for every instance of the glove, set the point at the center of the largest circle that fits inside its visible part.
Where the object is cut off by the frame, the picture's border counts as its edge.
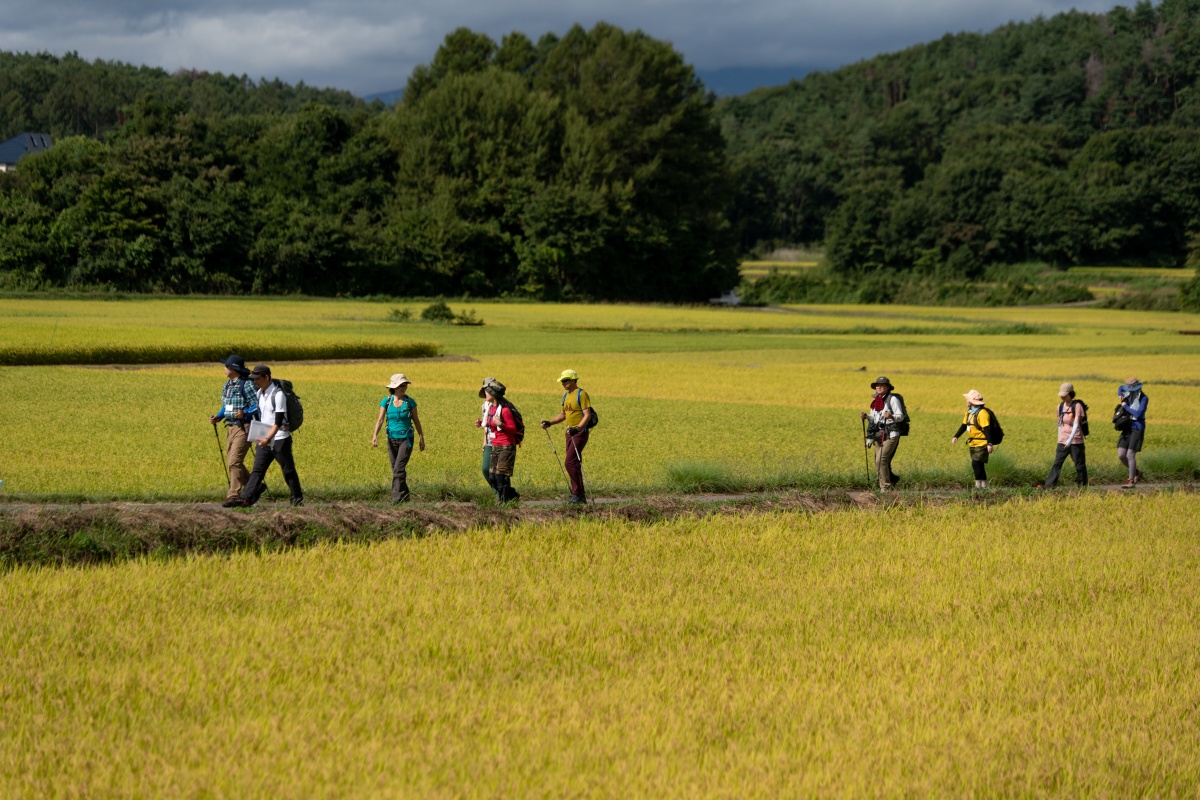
(572, 431)
(545, 424)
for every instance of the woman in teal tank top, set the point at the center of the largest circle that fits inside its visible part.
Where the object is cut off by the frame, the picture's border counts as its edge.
(400, 412)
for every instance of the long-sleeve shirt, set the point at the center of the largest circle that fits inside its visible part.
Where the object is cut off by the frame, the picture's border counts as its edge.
(238, 394)
(979, 423)
(503, 426)
(1137, 409)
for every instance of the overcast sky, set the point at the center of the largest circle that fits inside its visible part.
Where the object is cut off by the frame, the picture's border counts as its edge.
(369, 46)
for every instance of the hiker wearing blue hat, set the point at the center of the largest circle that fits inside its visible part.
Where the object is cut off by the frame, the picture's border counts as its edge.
(1130, 419)
(239, 402)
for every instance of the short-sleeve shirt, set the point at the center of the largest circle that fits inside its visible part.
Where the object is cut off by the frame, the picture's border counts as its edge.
(1066, 423)
(399, 418)
(272, 401)
(573, 405)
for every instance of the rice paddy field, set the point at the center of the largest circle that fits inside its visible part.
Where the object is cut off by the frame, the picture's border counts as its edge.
(1007, 645)
(689, 397)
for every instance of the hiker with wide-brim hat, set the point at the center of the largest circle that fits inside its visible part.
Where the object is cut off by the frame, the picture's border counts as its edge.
(1133, 431)
(982, 438)
(485, 410)
(239, 402)
(399, 410)
(507, 430)
(887, 419)
(1072, 419)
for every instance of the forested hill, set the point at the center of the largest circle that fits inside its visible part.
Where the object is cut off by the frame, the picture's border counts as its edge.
(1070, 139)
(586, 166)
(68, 96)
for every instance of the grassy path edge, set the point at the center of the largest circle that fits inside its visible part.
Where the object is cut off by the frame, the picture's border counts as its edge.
(83, 535)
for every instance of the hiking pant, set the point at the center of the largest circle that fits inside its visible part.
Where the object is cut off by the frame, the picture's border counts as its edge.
(884, 452)
(979, 458)
(487, 463)
(1078, 456)
(279, 450)
(573, 461)
(399, 451)
(236, 447)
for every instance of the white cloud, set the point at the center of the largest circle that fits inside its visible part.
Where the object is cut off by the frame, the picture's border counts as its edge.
(372, 45)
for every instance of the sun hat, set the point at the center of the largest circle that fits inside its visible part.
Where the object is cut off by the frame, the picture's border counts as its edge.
(1066, 389)
(1132, 385)
(568, 375)
(882, 381)
(260, 371)
(495, 389)
(237, 364)
(486, 381)
(974, 398)
(398, 379)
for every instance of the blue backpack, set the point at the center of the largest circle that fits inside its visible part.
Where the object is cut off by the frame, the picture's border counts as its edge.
(593, 420)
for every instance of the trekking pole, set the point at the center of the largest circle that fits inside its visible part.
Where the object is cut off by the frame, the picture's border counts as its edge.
(221, 455)
(579, 461)
(556, 458)
(866, 455)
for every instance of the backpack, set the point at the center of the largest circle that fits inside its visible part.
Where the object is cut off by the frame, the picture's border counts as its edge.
(593, 420)
(1083, 425)
(1122, 419)
(295, 410)
(901, 427)
(997, 431)
(518, 419)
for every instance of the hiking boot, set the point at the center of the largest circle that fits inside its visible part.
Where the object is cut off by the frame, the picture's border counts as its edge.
(895, 480)
(297, 502)
(1137, 476)
(234, 502)
(1129, 483)
(576, 500)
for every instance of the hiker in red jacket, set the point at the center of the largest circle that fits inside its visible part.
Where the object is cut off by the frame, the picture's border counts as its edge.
(506, 427)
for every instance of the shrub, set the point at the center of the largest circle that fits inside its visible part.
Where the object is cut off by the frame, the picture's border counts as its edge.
(437, 312)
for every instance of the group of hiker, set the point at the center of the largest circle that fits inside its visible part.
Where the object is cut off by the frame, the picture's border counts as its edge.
(261, 410)
(889, 420)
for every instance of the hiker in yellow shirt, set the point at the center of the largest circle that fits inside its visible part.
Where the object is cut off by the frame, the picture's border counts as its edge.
(577, 413)
(982, 437)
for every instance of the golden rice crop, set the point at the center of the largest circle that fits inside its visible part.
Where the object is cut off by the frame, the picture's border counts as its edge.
(768, 408)
(1033, 648)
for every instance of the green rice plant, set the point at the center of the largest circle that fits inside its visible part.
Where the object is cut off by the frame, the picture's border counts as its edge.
(1171, 464)
(179, 354)
(701, 476)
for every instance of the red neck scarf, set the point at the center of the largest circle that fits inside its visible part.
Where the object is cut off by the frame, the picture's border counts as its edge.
(877, 403)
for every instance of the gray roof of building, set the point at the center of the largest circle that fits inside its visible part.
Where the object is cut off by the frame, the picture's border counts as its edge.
(22, 144)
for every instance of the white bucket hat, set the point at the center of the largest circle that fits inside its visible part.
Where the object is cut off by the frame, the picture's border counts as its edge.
(398, 379)
(974, 398)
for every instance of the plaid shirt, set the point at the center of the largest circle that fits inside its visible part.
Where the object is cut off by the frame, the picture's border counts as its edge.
(233, 400)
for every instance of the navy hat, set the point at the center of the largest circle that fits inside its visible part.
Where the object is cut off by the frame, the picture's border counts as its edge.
(262, 370)
(238, 364)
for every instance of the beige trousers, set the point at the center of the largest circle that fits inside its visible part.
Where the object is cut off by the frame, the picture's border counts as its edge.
(236, 446)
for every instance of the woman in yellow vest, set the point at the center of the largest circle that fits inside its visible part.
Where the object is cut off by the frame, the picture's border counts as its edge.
(981, 439)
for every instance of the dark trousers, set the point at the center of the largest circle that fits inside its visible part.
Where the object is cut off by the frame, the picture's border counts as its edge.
(1078, 456)
(280, 450)
(399, 451)
(573, 460)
